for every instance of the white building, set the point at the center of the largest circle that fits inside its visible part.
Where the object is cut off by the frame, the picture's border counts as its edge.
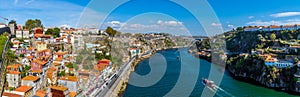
(32, 81)
(19, 34)
(13, 78)
(26, 34)
(278, 64)
(71, 82)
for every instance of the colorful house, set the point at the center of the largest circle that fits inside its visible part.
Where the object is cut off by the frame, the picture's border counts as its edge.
(71, 82)
(13, 78)
(32, 81)
(102, 64)
(59, 91)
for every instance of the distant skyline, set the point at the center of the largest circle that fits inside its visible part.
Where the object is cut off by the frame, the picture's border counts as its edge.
(231, 13)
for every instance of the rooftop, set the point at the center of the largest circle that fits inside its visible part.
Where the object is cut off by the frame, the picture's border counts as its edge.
(14, 66)
(6, 94)
(73, 94)
(69, 78)
(24, 88)
(60, 88)
(13, 72)
(40, 93)
(31, 78)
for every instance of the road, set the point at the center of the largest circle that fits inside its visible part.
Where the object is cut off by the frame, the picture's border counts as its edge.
(115, 80)
(109, 89)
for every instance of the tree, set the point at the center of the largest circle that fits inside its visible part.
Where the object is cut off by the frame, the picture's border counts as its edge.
(239, 29)
(10, 56)
(56, 32)
(70, 65)
(13, 22)
(49, 32)
(273, 36)
(30, 24)
(110, 31)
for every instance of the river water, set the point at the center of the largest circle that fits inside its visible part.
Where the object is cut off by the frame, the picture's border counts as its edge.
(229, 86)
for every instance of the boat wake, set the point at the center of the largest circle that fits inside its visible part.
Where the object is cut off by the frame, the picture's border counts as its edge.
(216, 89)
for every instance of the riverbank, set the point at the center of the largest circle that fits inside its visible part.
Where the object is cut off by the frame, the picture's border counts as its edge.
(246, 74)
(132, 68)
(143, 57)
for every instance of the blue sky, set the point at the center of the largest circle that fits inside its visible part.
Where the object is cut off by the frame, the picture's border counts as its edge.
(152, 15)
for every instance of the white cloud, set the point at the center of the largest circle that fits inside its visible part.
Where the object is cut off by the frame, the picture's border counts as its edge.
(231, 26)
(174, 27)
(263, 23)
(251, 17)
(285, 14)
(216, 24)
(274, 22)
(169, 23)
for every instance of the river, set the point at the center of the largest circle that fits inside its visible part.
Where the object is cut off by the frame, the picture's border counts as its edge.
(168, 81)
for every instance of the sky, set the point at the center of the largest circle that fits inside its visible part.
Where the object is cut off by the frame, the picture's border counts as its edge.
(140, 16)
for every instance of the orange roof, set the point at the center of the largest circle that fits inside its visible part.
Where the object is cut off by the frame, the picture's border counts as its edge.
(274, 26)
(29, 57)
(41, 35)
(105, 60)
(45, 50)
(61, 88)
(24, 88)
(39, 62)
(52, 68)
(10, 94)
(58, 59)
(13, 72)
(56, 63)
(40, 93)
(30, 48)
(61, 53)
(36, 71)
(31, 78)
(39, 42)
(73, 94)
(14, 66)
(69, 78)
(271, 60)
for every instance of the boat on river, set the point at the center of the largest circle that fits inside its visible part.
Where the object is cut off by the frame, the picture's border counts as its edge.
(209, 83)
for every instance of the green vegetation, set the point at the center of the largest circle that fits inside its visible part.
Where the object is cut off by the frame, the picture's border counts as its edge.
(23, 73)
(61, 74)
(2, 42)
(10, 56)
(110, 31)
(54, 32)
(30, 24)
(71, 65)
(11, 88)
(273, 36)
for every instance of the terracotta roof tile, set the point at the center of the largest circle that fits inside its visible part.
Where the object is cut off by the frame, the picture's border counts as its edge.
(13, 72)
(69, 78)
(61, 88)
(31, 78)
(24, 88)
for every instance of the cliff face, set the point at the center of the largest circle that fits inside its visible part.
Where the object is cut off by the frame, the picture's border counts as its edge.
(243, 60)
(252, 67)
